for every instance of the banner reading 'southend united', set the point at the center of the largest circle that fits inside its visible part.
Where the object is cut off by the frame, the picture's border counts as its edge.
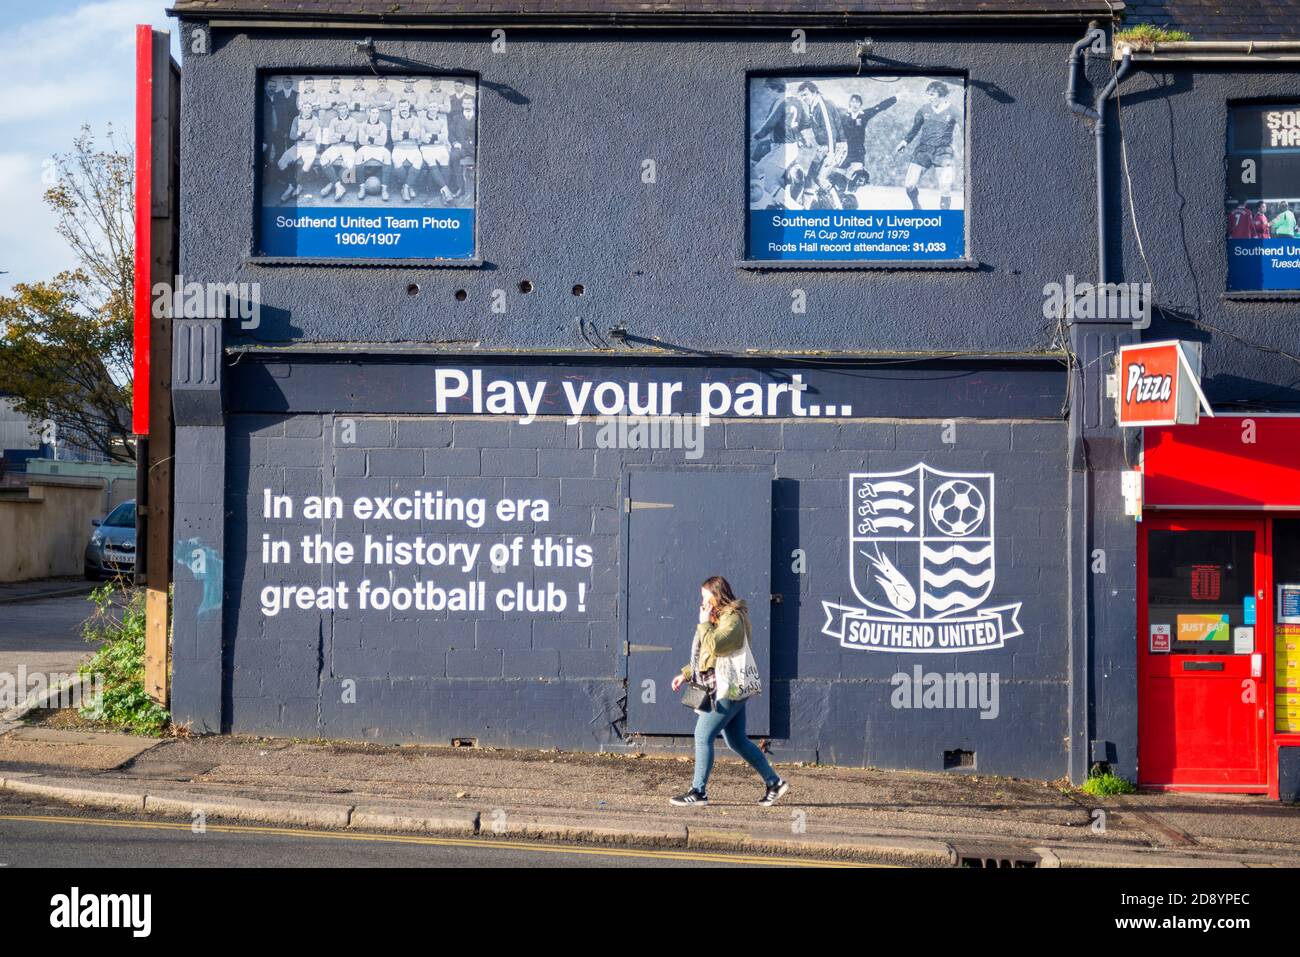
(922, 562)
(857, 168)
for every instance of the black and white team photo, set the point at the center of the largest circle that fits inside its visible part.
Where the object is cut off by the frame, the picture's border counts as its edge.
(857, 142)
(351, 141)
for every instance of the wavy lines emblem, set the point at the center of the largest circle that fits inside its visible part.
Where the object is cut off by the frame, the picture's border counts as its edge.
(922, 563)
(956, 578)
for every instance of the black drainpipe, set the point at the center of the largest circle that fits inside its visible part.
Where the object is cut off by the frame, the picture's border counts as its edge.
(1096, 39)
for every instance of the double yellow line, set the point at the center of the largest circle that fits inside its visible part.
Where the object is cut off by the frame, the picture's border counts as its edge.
(476, 842)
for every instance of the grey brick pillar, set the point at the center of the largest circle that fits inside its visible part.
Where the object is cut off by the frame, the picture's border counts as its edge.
(199, 524)
(1103, 564)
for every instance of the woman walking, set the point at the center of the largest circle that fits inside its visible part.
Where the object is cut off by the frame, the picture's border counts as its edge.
(723, 631)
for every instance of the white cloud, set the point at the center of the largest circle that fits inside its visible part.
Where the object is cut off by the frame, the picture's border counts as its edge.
(83, 95)
(58, 71)
(30, 249)
(72, 64)
(103, 31)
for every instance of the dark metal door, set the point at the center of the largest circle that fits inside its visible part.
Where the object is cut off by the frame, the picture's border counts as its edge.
(681, 528)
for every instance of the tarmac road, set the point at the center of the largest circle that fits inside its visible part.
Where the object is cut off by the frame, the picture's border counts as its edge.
(38, 834)
(44, 634)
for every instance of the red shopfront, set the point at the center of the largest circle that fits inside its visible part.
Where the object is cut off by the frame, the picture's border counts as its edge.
(1219, 607)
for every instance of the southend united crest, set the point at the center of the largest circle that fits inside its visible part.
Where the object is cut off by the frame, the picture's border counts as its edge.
(922, 564)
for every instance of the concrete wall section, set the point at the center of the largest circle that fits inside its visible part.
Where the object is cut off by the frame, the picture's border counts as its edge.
(555, 677)
(1175, 128)
(567, 121)
(45, 527)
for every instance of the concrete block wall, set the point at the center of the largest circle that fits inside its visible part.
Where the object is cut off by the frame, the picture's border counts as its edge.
(556, 679)
(45, 526)
(560, 207)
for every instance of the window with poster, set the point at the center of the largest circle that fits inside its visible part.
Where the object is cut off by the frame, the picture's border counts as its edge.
(1200, 589)
(366, 167)
(1286, 631)
(1263, 200)
(860, 169)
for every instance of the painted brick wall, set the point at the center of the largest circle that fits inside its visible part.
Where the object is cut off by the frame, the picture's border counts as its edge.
(555, 679)
(566, 120)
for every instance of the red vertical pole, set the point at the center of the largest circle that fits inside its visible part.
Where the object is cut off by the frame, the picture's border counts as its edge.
(156, 119)
(144, 80)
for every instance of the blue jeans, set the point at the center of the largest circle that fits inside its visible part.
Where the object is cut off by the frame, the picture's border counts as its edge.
(729, 718)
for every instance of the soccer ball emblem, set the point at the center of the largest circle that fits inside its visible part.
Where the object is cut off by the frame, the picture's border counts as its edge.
(957, 508)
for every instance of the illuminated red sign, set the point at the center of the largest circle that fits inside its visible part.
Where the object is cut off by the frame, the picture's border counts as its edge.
(1238, 461)
(1157, 385)
(143, 223)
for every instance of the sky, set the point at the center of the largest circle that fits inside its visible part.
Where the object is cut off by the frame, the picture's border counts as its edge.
(62, 63)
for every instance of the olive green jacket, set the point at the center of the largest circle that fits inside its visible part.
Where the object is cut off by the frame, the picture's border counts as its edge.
(725, 638)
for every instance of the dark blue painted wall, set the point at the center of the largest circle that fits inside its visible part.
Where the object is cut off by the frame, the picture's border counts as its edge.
(565, 124)
(1173, 126)
(1176, 125)
(555, 680)
(566, 121)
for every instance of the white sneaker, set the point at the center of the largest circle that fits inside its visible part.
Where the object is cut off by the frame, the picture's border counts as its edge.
(774, 792)
(691, 798)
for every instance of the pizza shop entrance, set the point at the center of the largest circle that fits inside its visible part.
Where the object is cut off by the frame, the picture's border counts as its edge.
(1201, 709)
(1219, 607)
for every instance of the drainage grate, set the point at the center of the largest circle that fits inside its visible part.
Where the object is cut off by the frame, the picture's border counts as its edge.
(985, 856)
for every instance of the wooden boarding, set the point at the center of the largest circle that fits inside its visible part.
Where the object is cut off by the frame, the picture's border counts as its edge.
(157, 154)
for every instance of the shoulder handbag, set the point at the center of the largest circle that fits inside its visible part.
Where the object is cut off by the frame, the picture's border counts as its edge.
(696, 696)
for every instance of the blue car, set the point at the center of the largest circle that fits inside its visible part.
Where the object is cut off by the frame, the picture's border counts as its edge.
(111, 549)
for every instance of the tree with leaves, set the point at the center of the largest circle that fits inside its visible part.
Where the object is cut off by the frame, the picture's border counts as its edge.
(66, 343)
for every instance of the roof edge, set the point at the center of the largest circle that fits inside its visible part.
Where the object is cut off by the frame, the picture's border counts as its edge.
(1048, 14)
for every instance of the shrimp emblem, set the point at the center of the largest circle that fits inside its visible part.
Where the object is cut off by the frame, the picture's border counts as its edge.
(897, 588)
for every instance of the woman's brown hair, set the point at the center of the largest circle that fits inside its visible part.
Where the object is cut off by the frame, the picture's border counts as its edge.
(720, 589)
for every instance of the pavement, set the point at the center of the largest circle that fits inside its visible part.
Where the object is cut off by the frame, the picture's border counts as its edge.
(37, 833)
(40, 630)
(621, 800)
(603, 800)
(44, 588)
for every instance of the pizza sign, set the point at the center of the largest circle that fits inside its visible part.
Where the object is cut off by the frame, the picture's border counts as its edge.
(1158, 384)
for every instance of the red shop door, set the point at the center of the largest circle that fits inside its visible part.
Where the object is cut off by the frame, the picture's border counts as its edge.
(1202, 630)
